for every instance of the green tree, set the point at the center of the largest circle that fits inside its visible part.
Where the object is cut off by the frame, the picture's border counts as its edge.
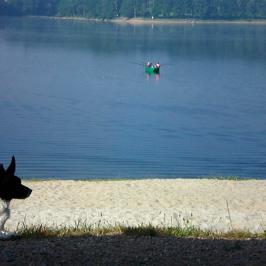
(3, 7)
(261, 9)
(66, 8)
(107, 8)
(199, 9)
(251, 8)
(128, 8)
(28, 7)
(158, 9)
(15, 7)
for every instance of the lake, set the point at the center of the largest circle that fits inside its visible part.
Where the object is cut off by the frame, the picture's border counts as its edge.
(76, 103)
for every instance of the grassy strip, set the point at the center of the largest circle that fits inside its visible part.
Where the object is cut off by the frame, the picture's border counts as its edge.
(84, 230)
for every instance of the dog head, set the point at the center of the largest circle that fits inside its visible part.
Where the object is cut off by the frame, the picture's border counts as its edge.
(10, 185)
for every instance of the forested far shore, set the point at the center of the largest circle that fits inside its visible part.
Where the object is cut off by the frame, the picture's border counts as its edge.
(109, 9)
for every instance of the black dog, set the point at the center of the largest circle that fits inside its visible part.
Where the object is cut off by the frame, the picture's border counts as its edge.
(10, 188)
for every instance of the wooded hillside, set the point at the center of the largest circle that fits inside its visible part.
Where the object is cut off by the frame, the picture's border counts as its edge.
(188, 9)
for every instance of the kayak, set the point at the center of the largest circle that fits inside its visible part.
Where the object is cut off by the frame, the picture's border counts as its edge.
(152, 70)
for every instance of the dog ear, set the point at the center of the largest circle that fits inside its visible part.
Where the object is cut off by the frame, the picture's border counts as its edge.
(12, 167)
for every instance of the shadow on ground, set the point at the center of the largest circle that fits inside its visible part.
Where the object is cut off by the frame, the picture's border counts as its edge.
(131, 250)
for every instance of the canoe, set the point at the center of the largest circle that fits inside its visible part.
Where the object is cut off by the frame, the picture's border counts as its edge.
(152, 70)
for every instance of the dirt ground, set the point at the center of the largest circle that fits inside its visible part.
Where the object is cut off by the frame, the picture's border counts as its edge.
(131, 250)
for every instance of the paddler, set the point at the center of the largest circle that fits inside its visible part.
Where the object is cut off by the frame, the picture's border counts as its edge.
(157, 65)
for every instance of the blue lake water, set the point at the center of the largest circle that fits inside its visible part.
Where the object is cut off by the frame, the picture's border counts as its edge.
(75, 101)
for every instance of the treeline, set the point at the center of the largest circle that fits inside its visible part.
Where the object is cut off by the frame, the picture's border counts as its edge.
(108, 9)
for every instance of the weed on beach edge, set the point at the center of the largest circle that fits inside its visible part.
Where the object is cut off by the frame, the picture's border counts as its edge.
(39, 232)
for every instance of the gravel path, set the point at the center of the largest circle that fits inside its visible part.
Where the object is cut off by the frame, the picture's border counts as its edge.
(128, 250)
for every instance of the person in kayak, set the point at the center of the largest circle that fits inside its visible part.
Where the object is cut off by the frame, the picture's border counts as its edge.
(157, 65)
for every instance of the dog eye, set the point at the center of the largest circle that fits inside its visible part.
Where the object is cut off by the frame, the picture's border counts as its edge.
(18, 180)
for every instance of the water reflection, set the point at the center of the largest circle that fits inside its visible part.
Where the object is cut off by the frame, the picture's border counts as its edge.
(155, 76)
(212, 42)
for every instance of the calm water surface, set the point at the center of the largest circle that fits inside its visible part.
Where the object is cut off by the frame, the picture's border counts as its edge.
(75, 101)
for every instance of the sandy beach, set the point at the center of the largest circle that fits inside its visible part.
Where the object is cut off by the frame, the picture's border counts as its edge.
(210, 204)
(143, 21)
(156, 21)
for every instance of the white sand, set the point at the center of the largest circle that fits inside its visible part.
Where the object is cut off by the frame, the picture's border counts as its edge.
(202, 203)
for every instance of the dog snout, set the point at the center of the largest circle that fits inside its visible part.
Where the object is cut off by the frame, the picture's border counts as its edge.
(24, 192)
(29, 192)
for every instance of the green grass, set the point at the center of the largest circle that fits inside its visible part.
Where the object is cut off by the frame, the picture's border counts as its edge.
(84, 230)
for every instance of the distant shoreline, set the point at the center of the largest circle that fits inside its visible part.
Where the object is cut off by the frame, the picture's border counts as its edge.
(149, 21)
(185, 21)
